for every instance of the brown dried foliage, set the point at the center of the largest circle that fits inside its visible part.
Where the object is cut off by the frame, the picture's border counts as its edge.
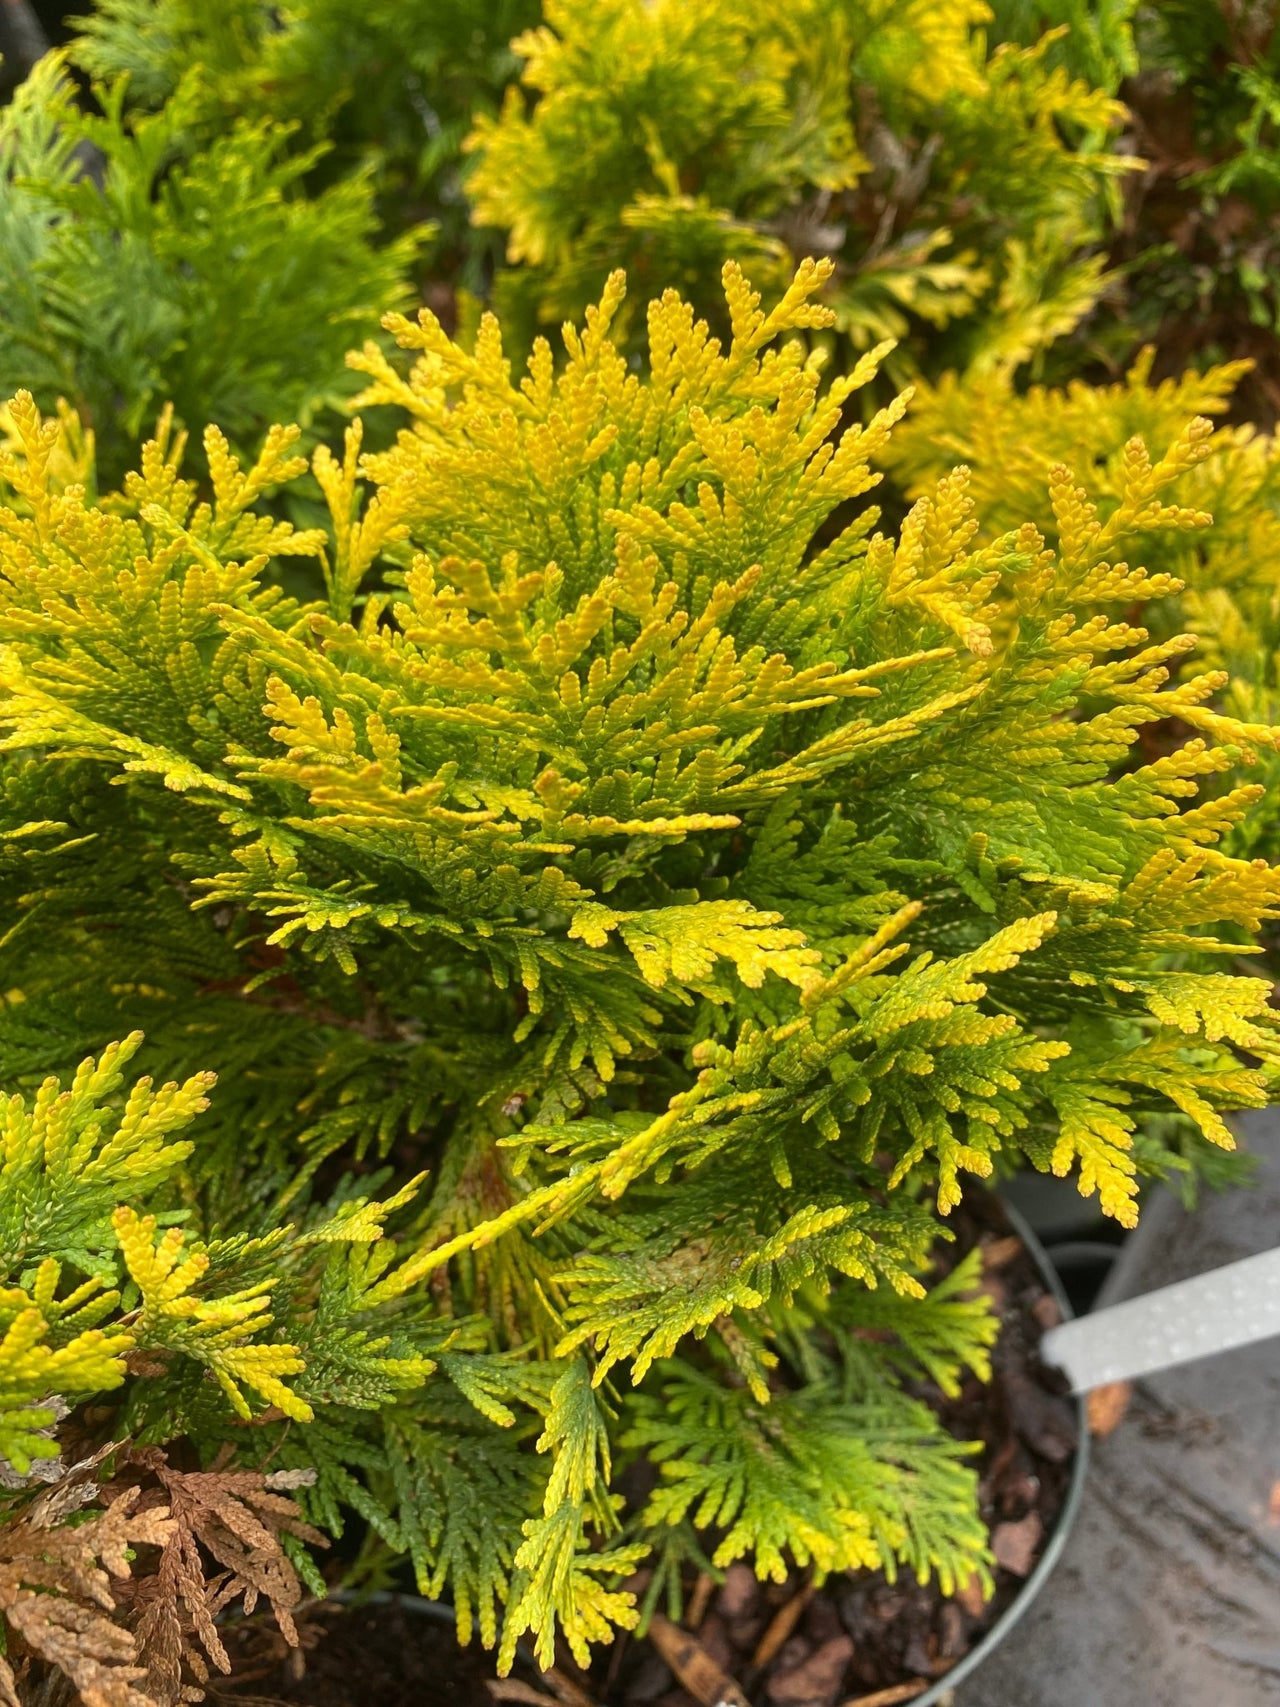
(142, 1634)
(238, 1520)
(56, 1593)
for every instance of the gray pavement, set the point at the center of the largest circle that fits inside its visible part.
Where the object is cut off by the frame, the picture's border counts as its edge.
(1168, 1594)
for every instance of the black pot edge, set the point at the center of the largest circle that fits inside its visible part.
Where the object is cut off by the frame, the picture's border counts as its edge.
(443, 1613)
(439, 1611)
(1066, 1517)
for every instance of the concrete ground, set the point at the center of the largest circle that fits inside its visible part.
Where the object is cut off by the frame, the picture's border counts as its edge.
(1168, 1594)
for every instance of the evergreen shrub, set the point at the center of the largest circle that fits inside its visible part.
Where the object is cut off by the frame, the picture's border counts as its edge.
(962, 187)
(387, 86)
(1225, 583)
(1193, 252)
(153, 258)
(1198, 245)
(622, 897)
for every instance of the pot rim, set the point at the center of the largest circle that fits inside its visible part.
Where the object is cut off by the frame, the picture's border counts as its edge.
(1030, 1590)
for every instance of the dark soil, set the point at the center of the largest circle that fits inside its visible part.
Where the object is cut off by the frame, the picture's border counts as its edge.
(858, 1642)
(369, 1656)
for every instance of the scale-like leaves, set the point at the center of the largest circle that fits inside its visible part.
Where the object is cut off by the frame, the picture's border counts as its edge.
(623, 897)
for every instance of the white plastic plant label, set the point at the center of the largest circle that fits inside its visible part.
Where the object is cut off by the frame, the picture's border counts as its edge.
(1227, 1307)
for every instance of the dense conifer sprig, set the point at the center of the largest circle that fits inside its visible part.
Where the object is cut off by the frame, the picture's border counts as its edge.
(1228, 579)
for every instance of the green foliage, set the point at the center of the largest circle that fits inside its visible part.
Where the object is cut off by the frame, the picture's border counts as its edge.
(1093, 39)
(1197, 246)
(837, 1478)
(602, 819)
(622, 895)
(67, 1159)
(390, 85)
(1222, 582)
(960, 189)
(148, 259)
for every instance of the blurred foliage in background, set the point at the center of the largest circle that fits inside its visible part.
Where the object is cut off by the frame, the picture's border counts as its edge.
(961, 187)
(156, 257)
(389, 86)
(210, 201)
(1034, 188)
(1196, 251)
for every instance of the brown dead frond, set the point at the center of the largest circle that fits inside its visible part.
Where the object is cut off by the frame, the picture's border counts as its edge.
(141, 1631)
(56, 1594)
(235, 1520)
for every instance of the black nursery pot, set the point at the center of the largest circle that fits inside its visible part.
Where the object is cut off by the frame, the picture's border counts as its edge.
(1083, 1267)
(1017, 1608)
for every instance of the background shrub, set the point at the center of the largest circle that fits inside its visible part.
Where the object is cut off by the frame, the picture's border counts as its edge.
(961, 190)
(148, 259)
